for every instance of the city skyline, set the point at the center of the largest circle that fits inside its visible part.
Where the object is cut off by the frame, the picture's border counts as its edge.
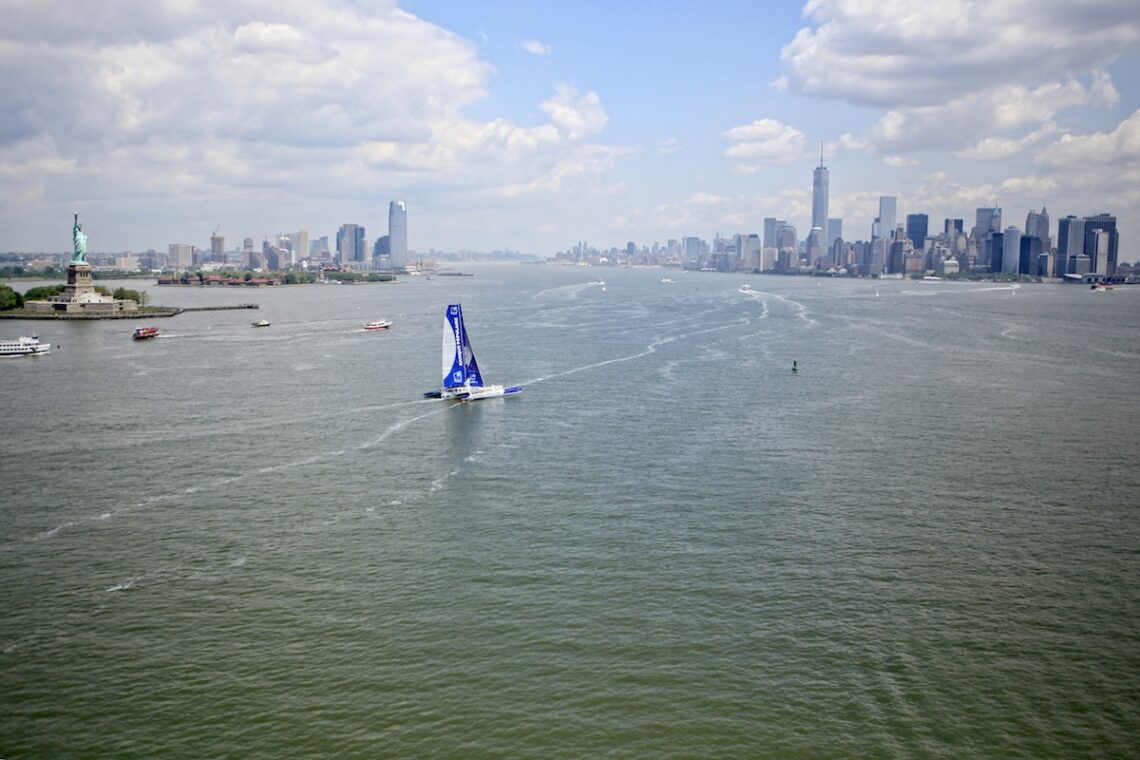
(530, 128)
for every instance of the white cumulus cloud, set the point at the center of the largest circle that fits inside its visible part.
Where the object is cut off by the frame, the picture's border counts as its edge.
(535, 47)
(764, 141)
(897, 53)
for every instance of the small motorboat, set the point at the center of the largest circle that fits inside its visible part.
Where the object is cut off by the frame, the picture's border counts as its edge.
(142, 333)
(379, 324)
(261, 323)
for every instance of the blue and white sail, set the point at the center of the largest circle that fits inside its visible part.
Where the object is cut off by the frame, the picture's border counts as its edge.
(461, 376)
(459, 367)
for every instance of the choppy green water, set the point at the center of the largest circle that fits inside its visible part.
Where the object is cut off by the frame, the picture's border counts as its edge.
(262, 543)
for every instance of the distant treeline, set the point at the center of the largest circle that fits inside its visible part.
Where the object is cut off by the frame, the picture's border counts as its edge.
(55, 273)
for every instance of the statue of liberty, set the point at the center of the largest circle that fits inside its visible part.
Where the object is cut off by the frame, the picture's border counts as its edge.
(79, 241)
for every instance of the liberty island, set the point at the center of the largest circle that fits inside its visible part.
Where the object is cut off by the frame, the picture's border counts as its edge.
(79, 297)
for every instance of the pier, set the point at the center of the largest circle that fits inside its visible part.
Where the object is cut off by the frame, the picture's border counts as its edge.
(220, 308)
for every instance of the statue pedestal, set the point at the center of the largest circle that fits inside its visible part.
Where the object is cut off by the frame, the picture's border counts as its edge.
(79, 287)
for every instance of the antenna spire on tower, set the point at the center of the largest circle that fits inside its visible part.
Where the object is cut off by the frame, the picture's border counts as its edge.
(821, 153)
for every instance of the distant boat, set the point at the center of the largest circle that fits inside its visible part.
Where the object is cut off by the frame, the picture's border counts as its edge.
(598, 281)
(666, 280)
(142, 333)
(23, 346)
(261, 323)
(462, 380)
(380, 324)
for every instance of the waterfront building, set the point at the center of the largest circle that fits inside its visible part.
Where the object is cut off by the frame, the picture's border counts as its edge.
(398, 234)
(751, 253)
(769, 255)
(217, 248)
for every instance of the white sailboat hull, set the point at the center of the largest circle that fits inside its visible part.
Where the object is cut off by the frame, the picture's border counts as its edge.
(475, 393)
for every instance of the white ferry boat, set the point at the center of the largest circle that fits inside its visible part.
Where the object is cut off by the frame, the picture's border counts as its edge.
(23, 346)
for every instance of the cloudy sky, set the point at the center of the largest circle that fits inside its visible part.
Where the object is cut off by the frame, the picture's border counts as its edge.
(534, 125)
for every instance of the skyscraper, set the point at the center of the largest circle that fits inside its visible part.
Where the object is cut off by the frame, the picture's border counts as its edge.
(917, 227)
(350, 246)
(888, 215)
(1011, 250)
(770, 225)
(819, 193)
(834, 231)
(181, 256)
(1037, 224)
(1106, 222)
(398, 234)
(988, 220)
(1070, 244)
(301, 251)
(217, 247)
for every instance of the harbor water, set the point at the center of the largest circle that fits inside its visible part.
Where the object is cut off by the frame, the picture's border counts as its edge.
(263, 543)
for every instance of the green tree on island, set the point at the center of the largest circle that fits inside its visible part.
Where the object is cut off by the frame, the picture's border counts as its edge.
(141, 297)
(43, 293)
(10, 299)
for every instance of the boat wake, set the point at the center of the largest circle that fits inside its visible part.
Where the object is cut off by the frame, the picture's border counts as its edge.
(802, 311)
(124, 585)
(649, 349)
